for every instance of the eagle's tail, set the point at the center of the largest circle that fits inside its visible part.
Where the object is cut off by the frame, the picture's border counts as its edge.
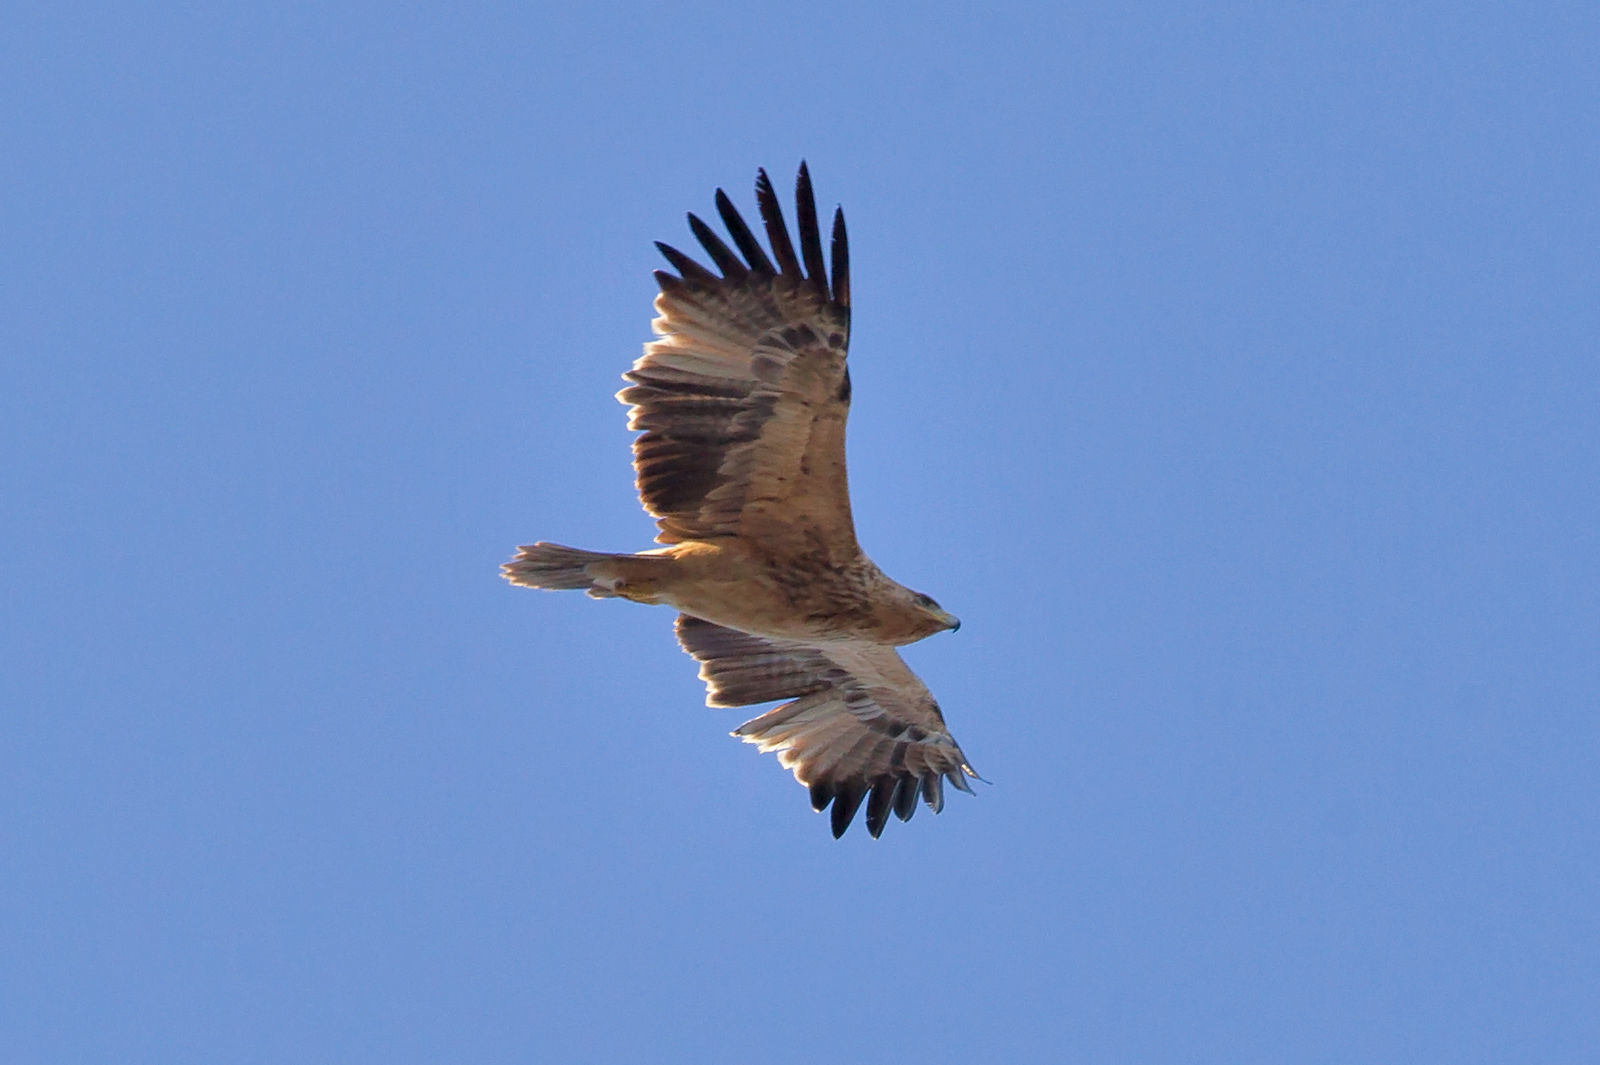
(557, 567)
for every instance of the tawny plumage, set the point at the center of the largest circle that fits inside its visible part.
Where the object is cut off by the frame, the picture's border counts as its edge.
(741, 405)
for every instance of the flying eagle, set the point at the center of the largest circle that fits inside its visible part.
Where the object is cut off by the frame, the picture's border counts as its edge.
(742, 404)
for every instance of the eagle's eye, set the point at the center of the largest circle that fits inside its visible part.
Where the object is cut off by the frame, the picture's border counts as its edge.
(925, 602)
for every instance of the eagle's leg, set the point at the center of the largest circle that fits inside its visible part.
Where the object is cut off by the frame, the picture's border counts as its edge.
(639, 578)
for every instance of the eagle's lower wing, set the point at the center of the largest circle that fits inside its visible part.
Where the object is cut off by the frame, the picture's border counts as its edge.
(860, 725)
(743, 399)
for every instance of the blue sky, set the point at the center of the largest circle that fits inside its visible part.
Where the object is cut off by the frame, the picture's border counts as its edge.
(1231, 371)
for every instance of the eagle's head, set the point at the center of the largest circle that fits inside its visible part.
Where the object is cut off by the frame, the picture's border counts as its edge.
(932, 617)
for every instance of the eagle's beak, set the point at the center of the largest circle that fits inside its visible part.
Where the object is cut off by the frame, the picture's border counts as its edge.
(951, 622)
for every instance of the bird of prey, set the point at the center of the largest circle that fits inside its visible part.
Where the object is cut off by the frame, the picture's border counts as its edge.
(741, 403)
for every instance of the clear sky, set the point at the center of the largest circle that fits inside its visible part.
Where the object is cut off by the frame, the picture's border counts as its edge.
(1232, 371)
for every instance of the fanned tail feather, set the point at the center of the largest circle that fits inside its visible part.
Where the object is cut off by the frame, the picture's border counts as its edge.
(557, 567)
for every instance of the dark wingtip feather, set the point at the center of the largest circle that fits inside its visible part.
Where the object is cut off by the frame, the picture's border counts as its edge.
(846, 802)
(686, 267)
(905, 798)
(805, 205)
(821, 795)
(730, 264)
(777, 231)
(754, 254)
(878, 805)
(841, 260)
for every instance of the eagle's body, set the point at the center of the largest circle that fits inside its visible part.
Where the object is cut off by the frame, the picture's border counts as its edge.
(742, 403)
(733, 583)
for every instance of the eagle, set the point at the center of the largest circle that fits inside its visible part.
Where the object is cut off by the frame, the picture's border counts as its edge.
(740, 406)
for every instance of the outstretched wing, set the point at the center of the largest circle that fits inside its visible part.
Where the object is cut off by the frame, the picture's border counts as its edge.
(861, 726)
(743, 399)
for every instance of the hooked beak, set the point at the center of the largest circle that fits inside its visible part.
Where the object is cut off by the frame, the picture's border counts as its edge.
(951, 622)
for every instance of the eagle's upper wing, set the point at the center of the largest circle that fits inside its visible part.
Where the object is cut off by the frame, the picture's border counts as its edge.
(743, 399)
(860, 726)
